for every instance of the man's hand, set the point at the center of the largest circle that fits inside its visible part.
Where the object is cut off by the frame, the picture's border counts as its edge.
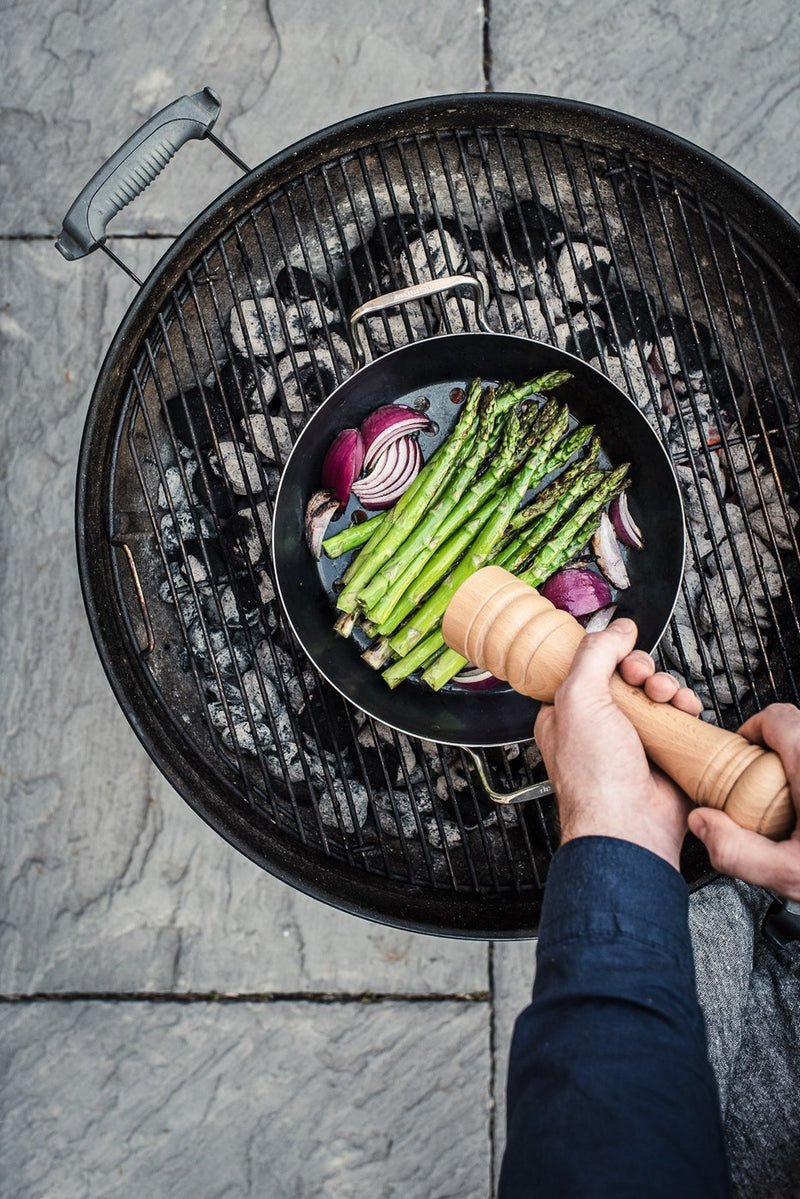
(604, 783)
(747, 855)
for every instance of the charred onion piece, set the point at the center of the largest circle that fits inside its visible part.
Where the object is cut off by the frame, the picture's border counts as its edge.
(343, 463)
(577, 590)
(386, 425)
(391, 474)
(321, 509)
(625, 526)
(608, 554)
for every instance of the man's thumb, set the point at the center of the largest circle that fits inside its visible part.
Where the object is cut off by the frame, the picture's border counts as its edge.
(736, 851)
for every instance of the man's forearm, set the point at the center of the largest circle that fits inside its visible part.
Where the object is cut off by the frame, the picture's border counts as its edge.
(610, 1090)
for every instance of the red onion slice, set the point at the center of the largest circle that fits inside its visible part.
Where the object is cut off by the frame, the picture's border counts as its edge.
(599, 620)
(392, 473)
(625, 526)
(608, 554)
(343, 463)
(577, 590)
(472, 678)
(387, 424)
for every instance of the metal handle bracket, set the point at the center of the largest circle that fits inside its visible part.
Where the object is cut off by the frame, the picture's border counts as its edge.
(407, 295)
(523, 795)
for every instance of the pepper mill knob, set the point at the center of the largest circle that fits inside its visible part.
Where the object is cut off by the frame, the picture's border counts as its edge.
(503, 625)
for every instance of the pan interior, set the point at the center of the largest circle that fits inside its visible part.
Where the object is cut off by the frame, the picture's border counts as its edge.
(431, 369)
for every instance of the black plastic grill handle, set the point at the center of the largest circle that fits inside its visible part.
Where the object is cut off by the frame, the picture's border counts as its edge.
(132, 168)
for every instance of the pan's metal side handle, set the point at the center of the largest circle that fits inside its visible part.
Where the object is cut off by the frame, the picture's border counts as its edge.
(144, 650)
(523, 795)
(133, 167)
(407, 295)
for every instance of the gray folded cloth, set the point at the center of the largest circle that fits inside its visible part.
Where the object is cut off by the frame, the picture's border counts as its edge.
(750, 995)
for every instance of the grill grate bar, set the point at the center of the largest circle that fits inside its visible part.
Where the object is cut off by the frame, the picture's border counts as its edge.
(251, 497)
(726, 443)
(615, 177)
(329, 739)
(746, 583)
(189, 573)
(222, 541)
(703, 451)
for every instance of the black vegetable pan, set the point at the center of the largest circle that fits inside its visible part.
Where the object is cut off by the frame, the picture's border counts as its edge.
(430, 369)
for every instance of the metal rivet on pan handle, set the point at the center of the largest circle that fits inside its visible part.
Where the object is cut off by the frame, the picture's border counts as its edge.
(524, 795)
(133, 167)
(406, 295)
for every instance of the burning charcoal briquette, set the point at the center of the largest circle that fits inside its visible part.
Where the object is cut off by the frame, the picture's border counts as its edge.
(306, 381)
(201, 415)
(431, 256)
(235, 613)
(211, 643)
(245, 384)
(401, 815)
(348, 805)
(302, 321)
(442, 834)
(629, 319)
(213, 493)
(269, 435)
(238, 466)
(528, 231)
(185, 527)
(240, 731)
(259, 330)
(693, 337)
(293, 283)
(584, 273)
(524, 319)
(174, 486)
(253, 531)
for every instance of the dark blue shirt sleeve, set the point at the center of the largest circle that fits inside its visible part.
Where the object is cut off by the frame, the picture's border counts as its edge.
(610, 1092)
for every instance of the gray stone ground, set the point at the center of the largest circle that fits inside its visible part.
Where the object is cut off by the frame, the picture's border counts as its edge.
(110, 884)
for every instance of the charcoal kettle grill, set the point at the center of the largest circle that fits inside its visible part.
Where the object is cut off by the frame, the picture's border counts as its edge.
(589, 230)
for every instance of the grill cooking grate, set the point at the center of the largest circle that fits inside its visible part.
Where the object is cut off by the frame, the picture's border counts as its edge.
(591, 248)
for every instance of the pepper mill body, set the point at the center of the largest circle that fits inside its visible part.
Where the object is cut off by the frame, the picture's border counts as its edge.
(506, 627)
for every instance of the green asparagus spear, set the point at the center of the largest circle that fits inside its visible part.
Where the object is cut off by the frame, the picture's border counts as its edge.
(406, 512)
(420, 559)
(421, 536)
(447, 662)
(562, 494)
(563, 451)
(403, 517)
(353, 536)
(572, 537)
(542, 566)
(430, 614)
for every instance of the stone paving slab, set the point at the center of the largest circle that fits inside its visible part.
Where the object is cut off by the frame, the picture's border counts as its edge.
(78, 82)
(111, 882)
(722, 76)
(277, 1100)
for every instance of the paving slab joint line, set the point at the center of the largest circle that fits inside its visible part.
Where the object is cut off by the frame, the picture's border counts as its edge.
(492, 1066)
(488, 86)
(265, 997)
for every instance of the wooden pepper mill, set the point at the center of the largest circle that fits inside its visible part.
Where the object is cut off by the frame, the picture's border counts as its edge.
(506, 627)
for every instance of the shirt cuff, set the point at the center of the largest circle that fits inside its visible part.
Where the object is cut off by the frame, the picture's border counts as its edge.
(602, 887)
